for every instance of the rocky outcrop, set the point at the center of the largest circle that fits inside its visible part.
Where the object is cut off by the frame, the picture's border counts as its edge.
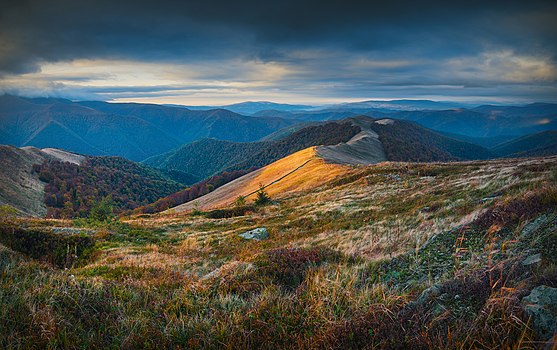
(541, 306)
(257, 234)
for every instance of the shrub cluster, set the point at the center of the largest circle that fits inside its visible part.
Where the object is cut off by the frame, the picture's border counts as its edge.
(61, 250)
(230, 212)
(287, 266)
(525, 207)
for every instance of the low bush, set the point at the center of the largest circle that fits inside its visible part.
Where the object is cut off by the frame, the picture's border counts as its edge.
(230, 212)
(287, 266)
(514, 210)
(61, 250)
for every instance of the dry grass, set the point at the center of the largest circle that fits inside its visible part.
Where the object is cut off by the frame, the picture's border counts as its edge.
(346, 260)
(312, 174)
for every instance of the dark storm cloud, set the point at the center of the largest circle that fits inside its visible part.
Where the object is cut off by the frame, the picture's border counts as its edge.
(33, 32)
(63, 30)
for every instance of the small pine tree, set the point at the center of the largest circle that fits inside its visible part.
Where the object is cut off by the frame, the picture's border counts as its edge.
(262, 196)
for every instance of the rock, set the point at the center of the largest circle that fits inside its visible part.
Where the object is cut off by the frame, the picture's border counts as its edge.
(491, 197)
(532, 259)
(257, 234)
(429, 293)
(541, 306)
(533, 226)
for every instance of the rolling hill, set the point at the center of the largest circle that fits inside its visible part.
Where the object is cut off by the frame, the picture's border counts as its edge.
(536, 145)
(377, 141)
(56, 183)
(20, 186)
(133, 131)
(300, 171)
(207, 157)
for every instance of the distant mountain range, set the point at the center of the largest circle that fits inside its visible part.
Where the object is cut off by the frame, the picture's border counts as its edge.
(479, 122)
(250, 107)
(133, 131)
(140, 131)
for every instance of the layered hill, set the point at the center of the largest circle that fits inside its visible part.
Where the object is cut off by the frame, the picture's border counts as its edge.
(207, 157)
(479, 122)
(536, 145)
(378, 140)
(133, 131)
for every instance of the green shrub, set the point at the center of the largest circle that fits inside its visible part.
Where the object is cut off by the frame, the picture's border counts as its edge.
(103, 210)
(262, 196)
(230, 212)
(62, 250)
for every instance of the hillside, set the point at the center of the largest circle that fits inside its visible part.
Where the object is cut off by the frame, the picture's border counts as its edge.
(477, 122)
(487, 142)
(133, 131)
(72, 190)
(537, 145)
(300, 171)
(405, 141)
(20, 186)
(55, 183)
(207, 157)
(394, 255)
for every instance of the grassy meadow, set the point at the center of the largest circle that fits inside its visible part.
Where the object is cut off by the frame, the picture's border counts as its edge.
(395, 255)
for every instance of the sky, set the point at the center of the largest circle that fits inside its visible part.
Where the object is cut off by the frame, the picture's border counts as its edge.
(304, 51)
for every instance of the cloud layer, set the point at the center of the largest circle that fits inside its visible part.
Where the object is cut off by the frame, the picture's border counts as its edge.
(303, 51)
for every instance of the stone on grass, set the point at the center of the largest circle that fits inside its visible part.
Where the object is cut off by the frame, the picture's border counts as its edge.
(532, 259)
(429, 294)
(257, 234)
(541, 306)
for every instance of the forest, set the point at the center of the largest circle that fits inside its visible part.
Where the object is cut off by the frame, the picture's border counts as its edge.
(72, 190)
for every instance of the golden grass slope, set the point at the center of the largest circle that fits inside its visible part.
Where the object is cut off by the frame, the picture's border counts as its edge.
(298, 172)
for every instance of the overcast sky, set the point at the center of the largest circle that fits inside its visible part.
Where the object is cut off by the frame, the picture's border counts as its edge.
(218, 52)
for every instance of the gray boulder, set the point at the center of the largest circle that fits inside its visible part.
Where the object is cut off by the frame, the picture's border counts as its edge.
(257, 234)
(429, 294)
(532, 260)
(541, 306)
